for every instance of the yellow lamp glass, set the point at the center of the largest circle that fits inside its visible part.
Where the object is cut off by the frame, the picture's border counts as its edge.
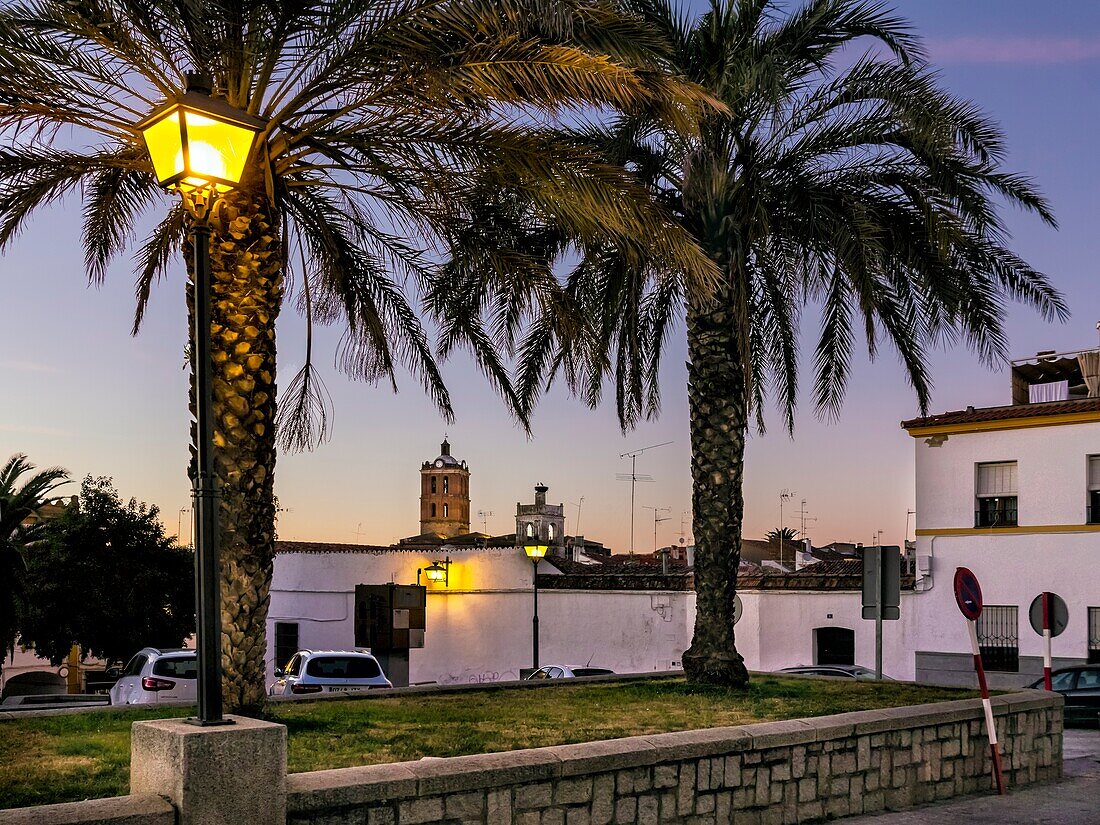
(198, 140)
(535, 551)
(435, 572)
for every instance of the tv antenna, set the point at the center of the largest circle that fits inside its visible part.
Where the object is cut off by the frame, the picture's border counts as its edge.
(683, 518)
(657, 520)
(577, 504)
(634, 478)
(484, 516)
(804, 514)
(784, 496)
(358, 532)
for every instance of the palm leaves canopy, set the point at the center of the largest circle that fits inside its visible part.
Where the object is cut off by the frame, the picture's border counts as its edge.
(836, 178)
(20, 503)
(395, 128)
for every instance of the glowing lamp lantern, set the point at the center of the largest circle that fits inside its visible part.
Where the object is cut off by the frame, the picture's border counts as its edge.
(535, 552)
(197, 140)
(436, 572)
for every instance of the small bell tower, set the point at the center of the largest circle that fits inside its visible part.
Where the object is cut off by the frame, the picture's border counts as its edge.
(445, 495)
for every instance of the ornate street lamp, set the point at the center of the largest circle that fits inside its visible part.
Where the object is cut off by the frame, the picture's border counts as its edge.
(199, 147)
(535, 552)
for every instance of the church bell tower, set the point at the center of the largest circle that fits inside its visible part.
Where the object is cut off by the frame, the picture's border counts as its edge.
(445, 495)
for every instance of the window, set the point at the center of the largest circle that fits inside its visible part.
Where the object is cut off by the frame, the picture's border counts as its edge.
(343, 667)
(1094, 636)
(834, 646)
(286, 641)
(999, 637)
(294, 666)
(1093, 514)
(550, 529)
(530, 530)
(445, 510)
(1089, 679)
(446, 485)
(996, 494)
(178, 667)
(433, 510)
(433, 484)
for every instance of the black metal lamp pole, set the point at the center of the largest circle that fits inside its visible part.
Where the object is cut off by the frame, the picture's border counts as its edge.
(199, 146)
(535, 618)
(204, 490)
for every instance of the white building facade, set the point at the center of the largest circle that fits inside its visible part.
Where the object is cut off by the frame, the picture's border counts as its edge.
(1010, 493)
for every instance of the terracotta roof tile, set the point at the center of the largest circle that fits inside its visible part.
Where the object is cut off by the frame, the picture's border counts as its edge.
(972, 415)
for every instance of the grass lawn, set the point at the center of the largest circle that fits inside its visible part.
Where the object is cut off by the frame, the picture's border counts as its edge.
(87, 755)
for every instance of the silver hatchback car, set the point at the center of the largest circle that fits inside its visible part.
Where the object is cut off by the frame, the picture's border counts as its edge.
(155, 675)
(328, 671)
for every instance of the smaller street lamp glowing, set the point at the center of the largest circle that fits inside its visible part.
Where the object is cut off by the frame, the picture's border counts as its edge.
(535, 552)
(438, 571)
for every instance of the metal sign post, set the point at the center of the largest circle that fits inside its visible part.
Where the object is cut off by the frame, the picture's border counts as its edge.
(968, 596)
(881, 591)
(1049, 617)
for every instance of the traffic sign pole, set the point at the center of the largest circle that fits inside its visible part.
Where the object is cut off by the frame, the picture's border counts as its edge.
(1046, 641)
(878, 614)
(987, 706)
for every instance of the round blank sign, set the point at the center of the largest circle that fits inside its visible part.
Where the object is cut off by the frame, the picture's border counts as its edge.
(1057, 614)
(738, 609)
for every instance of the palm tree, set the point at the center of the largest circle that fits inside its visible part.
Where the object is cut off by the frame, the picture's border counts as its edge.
(851, 183)
(782, 534)
(379, 115)
(20, 526)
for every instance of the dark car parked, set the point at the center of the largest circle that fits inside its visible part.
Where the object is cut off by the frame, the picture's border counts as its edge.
(1081, 687)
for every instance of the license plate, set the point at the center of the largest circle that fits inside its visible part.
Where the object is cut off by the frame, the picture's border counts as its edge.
(344, 689)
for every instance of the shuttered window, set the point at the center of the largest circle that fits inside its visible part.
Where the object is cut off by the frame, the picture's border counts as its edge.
(996, 494)
(1094, 490)
(997, 479)
(286, 642)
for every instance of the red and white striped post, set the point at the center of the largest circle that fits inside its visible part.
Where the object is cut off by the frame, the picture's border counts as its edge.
(987, 706)
(1047, 635)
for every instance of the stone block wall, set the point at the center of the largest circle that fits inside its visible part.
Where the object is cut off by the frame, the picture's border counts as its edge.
(775, 772)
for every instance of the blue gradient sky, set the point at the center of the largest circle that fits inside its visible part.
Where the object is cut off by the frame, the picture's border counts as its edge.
(79, 391)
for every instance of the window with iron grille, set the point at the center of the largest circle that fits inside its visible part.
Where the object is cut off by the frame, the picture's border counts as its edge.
(996, 493)
(999, 637)
(1094, 636)
(1093, 515)
(286, 642)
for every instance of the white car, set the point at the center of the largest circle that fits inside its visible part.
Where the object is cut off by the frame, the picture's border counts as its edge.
(328, 671)
(154, 676)
(565, 672)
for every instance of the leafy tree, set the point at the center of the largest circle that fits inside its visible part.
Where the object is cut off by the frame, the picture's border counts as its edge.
(20, 527)
(852, 184)
(107, 578)
(381, 118)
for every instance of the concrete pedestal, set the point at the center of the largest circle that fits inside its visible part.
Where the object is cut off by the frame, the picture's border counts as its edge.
(231, 774)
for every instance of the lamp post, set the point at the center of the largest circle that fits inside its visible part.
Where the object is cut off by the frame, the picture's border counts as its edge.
(535, 553)
(199, 146)
(439, 571)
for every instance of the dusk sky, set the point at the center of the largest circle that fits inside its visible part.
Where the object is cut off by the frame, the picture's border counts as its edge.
(79, 391)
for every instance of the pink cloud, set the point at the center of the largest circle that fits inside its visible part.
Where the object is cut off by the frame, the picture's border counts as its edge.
(1020, 50)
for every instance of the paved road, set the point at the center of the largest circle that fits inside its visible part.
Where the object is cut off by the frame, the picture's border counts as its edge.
(1074, 801)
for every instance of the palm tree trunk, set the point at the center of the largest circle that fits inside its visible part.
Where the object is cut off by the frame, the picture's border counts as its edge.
(246, 295)
(719, 418)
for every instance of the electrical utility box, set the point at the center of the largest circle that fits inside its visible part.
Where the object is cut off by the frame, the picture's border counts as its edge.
(389, 619)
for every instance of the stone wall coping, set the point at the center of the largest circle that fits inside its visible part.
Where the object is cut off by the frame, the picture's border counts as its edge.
(144, 809)
(345, 787)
